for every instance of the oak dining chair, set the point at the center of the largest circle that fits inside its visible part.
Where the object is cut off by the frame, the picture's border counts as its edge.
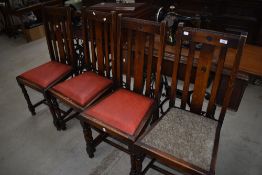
(126, 112)
(82, 90)
(58, 29)
(187, 136)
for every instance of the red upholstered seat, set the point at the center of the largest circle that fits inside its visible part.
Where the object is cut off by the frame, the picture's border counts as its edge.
(46, 74)
(83, 88)
(123, 110)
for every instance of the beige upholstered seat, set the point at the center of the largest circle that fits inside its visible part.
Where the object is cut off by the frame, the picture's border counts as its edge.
(186, 136)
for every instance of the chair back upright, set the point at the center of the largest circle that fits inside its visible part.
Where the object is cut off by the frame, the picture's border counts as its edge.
(135, 51)
(204, 53)
(99, 30)
(59, 34)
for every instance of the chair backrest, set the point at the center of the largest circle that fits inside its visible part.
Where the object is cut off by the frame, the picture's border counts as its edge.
(59, 34)
(135, 50)
(99, 30)
(205, 54)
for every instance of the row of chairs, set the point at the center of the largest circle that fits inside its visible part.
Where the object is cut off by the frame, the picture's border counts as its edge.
(118, 91)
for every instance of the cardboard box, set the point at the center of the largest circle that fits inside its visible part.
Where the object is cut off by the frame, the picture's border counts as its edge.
(34, 33)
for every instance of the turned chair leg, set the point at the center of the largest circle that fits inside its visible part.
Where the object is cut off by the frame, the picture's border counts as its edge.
(58, 115)
(29, 103)
(132, 159)
(52, 110)
(139, 163)
(88, 138)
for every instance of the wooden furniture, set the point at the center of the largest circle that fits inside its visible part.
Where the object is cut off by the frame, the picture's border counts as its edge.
(250, 62)
(242, 78)
(250, 65)
(222, 15)
(187, 137)
(58, 30)
(37, 7)
(125, 113)
(11, 12)
(82, 90)
(88, 3)
(8, 23)
(135, 10)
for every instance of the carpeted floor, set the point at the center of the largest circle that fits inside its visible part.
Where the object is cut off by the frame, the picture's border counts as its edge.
(30, 145)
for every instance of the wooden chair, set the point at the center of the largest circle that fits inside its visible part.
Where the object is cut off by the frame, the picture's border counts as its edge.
(57, 21)
(125, 113)
(82, 90)
(187, 137)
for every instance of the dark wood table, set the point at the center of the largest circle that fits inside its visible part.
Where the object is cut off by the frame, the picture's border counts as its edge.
(251, 61)
(134, 10)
